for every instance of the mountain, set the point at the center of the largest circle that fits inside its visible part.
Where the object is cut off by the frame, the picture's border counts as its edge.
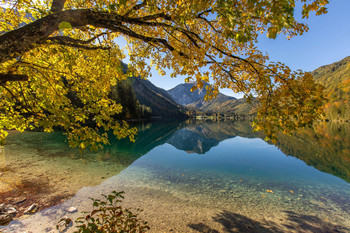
(141, 99)
(221, 104)
(160, 102)
(182, 93)
(336, 79)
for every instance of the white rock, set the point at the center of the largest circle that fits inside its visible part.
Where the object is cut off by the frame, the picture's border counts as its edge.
(32, 209)
(72, 209)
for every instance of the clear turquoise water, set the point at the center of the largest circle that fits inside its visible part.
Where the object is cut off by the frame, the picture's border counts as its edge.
(225, 165)
(241, 168)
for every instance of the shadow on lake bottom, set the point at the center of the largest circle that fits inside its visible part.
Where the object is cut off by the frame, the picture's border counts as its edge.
(232, 222)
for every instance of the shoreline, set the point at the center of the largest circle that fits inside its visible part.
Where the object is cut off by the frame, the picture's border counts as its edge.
(167, 212)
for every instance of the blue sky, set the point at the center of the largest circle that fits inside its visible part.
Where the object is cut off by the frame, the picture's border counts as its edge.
(327, 41)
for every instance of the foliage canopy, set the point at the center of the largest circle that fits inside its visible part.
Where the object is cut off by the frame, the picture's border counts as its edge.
(69, 53)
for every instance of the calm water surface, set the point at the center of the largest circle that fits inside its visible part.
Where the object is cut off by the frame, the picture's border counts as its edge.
(301, 183)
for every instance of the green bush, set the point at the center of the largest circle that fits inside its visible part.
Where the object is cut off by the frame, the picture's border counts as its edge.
(108, 216)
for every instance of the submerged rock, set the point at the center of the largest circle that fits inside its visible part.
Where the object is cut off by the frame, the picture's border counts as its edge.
(222, 191)
(72, 209)
(7, 212)
(63, 223)
(5, 218)
(32, 209)
(19, 200)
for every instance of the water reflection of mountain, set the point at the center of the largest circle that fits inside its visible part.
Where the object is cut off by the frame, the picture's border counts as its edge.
(325, 147)
(187, 140)
(200, 138)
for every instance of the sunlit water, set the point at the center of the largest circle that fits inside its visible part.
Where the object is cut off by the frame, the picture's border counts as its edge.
(214, 167)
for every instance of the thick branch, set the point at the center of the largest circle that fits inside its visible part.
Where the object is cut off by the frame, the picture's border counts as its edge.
(57, 5)
(76, 43)
(16, 42)
(13, 77)
(67, 39)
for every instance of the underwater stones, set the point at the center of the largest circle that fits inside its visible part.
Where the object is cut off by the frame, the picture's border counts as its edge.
(319, 203)
(19, 200)
(4, 219)
(63, 223)
(7, 212)
(32, 209)
(72, 209)
(12, 211)
(222, 191)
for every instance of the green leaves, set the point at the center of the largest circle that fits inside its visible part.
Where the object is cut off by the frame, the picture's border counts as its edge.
(112, 7)
(64, 25)
(109, 216)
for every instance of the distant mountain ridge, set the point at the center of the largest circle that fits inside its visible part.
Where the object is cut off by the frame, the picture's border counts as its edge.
(221, 104)
(182, 93)
(178, 101)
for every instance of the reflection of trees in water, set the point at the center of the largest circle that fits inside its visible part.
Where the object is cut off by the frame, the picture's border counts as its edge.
(326, 147)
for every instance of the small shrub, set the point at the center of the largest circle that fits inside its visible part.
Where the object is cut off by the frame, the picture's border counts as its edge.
(108, 216)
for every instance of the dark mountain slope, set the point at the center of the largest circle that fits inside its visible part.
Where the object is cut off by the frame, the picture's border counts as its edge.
(157, 99)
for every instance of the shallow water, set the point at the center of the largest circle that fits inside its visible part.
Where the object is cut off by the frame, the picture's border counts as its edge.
(220, 171)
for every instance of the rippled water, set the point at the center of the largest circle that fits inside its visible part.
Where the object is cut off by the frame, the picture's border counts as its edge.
(222, 172)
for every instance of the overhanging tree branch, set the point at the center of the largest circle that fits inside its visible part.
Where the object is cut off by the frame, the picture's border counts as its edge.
(13, 77)
(76, 43)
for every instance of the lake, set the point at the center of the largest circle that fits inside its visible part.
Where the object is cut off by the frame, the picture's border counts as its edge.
(188, 177)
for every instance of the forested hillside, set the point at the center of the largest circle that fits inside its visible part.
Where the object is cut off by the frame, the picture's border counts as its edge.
(124, 94)
(158, 100)
(336, 79)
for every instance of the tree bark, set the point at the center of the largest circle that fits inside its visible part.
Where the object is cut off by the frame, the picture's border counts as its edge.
(57, 5)
(16, 42)
(13, 77)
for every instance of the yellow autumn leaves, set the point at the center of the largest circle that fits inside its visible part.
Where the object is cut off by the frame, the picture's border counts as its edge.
(201, 40)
